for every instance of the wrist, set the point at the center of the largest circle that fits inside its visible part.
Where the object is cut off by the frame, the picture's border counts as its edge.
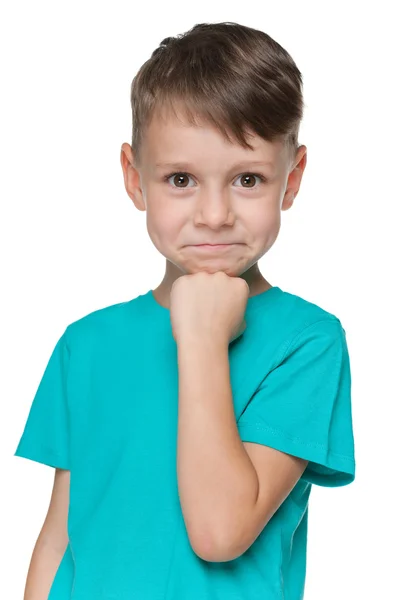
(201, 342)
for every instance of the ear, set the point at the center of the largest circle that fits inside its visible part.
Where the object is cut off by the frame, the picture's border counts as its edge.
(294, 178)
(131, 177)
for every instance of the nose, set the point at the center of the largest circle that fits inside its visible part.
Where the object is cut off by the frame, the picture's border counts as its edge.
(214, 210)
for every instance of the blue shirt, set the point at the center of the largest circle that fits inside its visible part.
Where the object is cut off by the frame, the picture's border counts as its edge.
(107, 409)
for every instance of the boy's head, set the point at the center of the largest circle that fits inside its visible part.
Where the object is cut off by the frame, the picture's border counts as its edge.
(214, 102)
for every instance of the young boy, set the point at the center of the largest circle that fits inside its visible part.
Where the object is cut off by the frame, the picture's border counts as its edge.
(187, 425)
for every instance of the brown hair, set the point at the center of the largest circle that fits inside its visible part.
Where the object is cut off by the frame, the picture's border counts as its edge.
(234, 77)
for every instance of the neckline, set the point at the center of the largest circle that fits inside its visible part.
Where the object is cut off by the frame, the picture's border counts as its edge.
(252, 301)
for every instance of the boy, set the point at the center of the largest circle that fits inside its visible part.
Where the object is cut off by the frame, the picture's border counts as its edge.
(194, 419)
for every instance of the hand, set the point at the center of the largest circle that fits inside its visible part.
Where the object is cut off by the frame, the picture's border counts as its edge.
(210, 305)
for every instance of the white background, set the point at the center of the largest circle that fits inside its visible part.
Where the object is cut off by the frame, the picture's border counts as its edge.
(72, 241)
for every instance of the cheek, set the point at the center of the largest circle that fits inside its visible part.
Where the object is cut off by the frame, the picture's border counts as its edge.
(266, 226)
(163, 225)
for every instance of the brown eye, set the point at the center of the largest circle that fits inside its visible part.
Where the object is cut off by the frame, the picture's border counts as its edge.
(248, 177)
(245, 180)
(178, 179)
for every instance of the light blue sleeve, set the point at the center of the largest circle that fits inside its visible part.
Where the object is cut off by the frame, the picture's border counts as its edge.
(45, 438)
(303, 406)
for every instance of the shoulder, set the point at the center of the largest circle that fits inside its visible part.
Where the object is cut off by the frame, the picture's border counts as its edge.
(295, 321)
(299, 314)
(305, 312)
(102, 324)
(310, 327)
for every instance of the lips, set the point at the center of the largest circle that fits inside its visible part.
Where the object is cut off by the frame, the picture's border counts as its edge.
(213, 247)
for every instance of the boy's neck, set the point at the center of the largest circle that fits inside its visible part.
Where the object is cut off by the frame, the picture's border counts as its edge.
(256, 282)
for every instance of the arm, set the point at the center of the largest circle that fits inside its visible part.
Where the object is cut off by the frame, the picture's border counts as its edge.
(228, 489)
(51, 543)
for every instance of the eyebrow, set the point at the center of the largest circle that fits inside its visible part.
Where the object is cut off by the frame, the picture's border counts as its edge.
(187, 166)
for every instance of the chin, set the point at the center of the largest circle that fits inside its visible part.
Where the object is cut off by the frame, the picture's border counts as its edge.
(227, 269)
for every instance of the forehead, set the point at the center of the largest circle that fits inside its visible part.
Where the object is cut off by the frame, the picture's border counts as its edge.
(171, 140)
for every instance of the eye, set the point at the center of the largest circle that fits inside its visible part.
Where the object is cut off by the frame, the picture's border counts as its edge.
(248, 176)
(177, 177)
(181, 176)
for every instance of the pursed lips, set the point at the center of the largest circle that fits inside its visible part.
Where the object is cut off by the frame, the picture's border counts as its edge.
(213, 246)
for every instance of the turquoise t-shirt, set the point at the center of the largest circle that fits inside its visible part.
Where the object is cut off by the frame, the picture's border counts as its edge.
(107, 409)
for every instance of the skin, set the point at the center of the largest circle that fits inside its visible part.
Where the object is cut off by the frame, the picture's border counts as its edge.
(210, 201)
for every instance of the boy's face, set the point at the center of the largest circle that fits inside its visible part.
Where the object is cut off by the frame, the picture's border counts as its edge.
(214, 198)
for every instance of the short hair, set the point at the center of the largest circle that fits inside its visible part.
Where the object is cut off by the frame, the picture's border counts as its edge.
(233, 77)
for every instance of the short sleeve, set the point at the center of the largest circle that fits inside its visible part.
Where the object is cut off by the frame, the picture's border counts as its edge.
(303, 406)
(45, 438)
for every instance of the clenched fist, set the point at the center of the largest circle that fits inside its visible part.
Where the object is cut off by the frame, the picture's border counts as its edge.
(210, 305)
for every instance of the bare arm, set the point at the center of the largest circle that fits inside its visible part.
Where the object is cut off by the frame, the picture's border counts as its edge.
(52, 541)
(228, 489)
(217, 481)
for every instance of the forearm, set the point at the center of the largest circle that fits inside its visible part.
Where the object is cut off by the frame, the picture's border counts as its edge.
(218, 484)
(42, 569)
